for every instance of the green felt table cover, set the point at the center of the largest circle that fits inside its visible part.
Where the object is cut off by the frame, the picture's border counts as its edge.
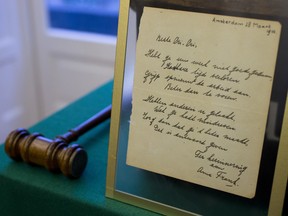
(32, 190)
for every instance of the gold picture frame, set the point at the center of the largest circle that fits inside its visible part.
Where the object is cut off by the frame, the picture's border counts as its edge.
(129, 19)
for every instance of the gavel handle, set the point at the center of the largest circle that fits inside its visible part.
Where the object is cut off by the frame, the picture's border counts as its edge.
(75, 133)
(55, 154)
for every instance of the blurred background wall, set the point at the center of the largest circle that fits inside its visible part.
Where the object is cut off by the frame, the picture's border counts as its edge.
(51, 53)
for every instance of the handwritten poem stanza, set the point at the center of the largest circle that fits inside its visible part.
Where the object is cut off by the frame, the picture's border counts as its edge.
(202, 86)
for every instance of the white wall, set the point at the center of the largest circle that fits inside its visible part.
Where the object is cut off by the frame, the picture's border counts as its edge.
(45, 69)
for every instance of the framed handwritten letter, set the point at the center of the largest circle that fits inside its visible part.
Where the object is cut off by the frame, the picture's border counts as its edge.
(197, 96)
(198, 107)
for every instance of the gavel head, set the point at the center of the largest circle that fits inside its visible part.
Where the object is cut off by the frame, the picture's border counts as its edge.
(54, 155)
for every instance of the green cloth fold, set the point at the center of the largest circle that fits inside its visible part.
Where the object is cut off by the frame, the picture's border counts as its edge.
(32, 190)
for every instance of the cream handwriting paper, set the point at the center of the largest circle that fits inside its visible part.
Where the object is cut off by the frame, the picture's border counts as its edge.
(201, 93)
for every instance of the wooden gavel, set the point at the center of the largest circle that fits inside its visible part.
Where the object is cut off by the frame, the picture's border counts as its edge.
(55, 154)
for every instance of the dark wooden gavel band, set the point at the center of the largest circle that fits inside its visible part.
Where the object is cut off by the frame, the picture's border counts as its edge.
(55, 155)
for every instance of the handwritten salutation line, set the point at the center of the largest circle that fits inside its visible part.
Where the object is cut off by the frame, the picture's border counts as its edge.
(176, 41)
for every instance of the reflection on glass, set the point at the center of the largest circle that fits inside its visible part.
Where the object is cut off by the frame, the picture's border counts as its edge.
(94, 16)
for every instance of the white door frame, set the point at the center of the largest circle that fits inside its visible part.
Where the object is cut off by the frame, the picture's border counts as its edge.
(18, 106)
(89, 53)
